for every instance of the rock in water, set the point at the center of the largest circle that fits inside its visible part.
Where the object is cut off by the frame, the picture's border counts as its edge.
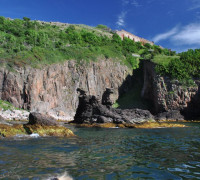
(41, 119)
(170, 115)
(91, 110)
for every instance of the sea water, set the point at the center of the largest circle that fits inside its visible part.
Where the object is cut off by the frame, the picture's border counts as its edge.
(165, 153)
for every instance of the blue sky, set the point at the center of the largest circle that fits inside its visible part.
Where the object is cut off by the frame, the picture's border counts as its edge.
(172, 24)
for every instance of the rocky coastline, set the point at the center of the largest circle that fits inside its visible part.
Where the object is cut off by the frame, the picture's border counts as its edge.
(40, 124)
(55, 96)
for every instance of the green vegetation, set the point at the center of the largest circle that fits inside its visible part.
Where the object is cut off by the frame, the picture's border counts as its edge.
(4, 105)
(185, 68)
(38, 43)
(103, 27)
(35, 43)
(163, 59)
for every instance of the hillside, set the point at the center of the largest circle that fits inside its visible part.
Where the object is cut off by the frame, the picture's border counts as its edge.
(43, 63)
(36, 43)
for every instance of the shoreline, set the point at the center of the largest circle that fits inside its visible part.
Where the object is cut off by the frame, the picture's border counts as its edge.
(147, 125)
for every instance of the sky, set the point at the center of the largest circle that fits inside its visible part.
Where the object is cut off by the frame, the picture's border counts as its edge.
(173, 24)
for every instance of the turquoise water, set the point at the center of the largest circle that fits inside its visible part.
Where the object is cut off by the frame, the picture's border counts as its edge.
(165, 153)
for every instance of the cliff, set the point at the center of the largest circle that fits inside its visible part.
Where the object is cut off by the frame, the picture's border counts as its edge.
(169, 95)
(52, 88)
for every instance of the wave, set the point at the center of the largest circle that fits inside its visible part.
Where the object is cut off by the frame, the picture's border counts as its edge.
(20, 136)
(64, 176)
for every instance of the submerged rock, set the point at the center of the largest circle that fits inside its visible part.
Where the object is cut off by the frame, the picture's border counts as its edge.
(91, 110)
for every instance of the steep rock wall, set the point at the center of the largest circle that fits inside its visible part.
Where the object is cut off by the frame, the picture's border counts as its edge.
(168, 95)
(52, 88)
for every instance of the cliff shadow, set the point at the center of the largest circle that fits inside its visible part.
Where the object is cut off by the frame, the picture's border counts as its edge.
(192, 111)
(130, 92)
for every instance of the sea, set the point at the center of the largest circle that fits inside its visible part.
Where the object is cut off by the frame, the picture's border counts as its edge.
(100, 153)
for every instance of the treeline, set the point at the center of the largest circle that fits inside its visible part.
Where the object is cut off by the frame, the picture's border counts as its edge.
(34, 43)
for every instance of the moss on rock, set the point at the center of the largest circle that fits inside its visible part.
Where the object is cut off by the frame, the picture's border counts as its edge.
(9, 131)
(126, 125)
(58, 131)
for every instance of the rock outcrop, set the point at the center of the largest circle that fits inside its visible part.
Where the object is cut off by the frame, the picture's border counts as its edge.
(52, 88)
(91, 110)
(170, 99)
(40, 124)
(36, 118)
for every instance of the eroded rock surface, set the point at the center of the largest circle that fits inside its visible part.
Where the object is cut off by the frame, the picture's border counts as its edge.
(170, 99)
(36, 118)
(52, 88)
(91, 110)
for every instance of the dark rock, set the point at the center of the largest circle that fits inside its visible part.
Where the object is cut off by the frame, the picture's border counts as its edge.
(41, 119)
(103, 119)
(170, 115)
(106, 99)
(170, 96)
(90, 110)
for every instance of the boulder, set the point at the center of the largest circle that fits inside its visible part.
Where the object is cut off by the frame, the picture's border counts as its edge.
(36, 118)
(170, 115)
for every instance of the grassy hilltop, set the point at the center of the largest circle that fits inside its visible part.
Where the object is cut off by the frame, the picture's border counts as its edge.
(35, 43)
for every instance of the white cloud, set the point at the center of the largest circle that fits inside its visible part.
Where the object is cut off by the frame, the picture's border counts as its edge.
(165, 35)
(125, 2)
(135, 3)
(121, 19)
(189, 35)
(125, 6)
(195, 4)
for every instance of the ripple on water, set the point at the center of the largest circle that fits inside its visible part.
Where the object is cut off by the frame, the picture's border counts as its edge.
(105, 154)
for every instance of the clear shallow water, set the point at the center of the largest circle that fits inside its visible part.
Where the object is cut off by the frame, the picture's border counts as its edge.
(105, 154)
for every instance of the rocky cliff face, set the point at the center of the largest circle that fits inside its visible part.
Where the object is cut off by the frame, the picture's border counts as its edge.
(168, 95)
(52, 88)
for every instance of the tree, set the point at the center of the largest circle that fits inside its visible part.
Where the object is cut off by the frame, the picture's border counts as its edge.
(26, 19)
(116, 39)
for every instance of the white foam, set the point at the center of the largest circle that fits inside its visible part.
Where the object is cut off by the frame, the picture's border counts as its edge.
(35, 135)
(64, 176)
